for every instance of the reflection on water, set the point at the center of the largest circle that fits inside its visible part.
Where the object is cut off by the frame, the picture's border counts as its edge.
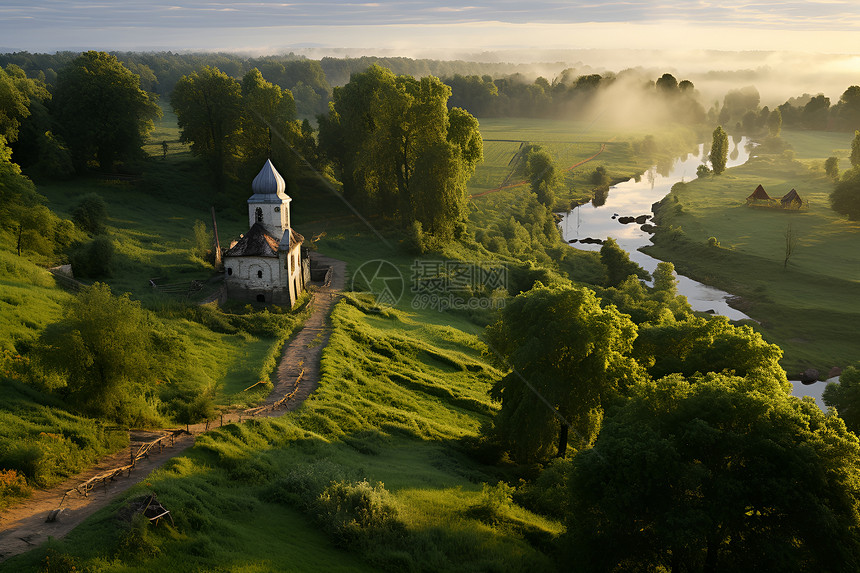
(635, 197)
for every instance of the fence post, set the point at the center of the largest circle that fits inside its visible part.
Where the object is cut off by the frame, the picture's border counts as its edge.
(222, 420)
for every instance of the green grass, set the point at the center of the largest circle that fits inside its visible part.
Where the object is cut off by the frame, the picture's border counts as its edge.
(399, 400)
(809, 307)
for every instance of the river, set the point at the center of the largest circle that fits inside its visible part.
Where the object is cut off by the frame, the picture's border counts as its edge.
(634, 198)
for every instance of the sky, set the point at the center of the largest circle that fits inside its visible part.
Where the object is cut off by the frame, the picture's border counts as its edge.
(413, 27)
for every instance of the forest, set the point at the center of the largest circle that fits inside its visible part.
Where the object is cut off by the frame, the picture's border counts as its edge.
(578, 416)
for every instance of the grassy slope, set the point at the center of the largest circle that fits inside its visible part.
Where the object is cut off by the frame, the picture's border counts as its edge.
(398, 395)
(810, 307)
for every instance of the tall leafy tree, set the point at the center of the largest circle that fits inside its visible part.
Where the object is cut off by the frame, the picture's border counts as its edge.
(716, 474)
(719, 150)
(774, 123)
(208, 106)
(265, 108)
(618, 264)
(401, 152)
(567, 357)
(102, 112)
(542, 174)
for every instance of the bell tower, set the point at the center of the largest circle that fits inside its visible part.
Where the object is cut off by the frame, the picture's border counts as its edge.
(270, 205)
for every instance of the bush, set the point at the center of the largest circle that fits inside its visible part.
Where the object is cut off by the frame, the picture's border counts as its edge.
(94, 259)
(357, 514)
(90, 214)
(12, 486)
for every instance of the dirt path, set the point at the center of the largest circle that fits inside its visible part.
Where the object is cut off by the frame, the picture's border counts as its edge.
(23, 526)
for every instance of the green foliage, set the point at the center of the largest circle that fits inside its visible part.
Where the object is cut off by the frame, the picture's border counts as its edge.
(400, 151)
(845, 198)
(90, 214)
(845, 397)
(103, 113)
(359, 514)
(94, 259)
(855, 150)
(43, 442)
(202, 240)
(774, 123)
(567, 357)
(703, 171)
(109, 352)
(542, 175)
(831, 167)
(706, 345)
(715, 473)
(209, 112)
(13, 487)
(618, 264)
(719, 151)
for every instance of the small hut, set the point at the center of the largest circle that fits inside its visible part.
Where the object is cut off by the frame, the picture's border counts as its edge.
(760, 198)
(791, 200)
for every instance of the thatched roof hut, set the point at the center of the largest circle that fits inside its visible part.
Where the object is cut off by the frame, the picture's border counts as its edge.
(791, 200)
(759, 195)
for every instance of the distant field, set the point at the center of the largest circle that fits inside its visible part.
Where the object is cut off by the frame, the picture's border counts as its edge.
(811, 307)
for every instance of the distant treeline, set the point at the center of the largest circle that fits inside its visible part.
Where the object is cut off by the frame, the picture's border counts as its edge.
(487, 89)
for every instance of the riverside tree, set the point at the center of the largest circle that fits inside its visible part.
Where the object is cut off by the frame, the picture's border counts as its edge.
(567, 356)
(400, 151)
(845, 197)
(715, 474)
(719, 150)
(102, 112)
(542, 175)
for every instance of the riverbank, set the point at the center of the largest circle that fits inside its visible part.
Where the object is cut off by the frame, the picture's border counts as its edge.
(808, 305)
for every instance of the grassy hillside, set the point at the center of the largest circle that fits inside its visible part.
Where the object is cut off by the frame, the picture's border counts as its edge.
(400, 403)
(809, 306)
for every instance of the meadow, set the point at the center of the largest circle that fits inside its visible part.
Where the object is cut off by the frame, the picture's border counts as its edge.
(807, 305)
(383, 467)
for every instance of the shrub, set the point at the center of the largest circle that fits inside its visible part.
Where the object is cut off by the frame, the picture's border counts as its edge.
(94, 259)
(90, 214)
(12, 485)
(358, 514)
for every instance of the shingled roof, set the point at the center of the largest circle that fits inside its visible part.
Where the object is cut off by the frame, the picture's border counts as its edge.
(257, 242)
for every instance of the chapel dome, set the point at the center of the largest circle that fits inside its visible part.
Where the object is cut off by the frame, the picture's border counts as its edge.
(268, 185)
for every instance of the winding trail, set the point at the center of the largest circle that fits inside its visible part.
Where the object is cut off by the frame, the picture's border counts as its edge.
(23, 526)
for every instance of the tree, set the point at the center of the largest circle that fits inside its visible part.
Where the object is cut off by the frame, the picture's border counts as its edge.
(855, 149)
(103, 113)
(105, 351)
(567, 356)
(401, 152)
(831, 168)
(845, 397)
(90, 214)
(17, 92)
(816, 112)
(849, 108)
(845, 197)
(208, 106)
(265, 108)
(790, 244)
(542, 175)
(715, 474)
(618, 264)
(664, 278)
(719, 151)
(774, 123)
(707, 345)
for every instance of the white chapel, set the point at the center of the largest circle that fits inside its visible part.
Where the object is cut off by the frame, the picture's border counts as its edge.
(266, 263)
